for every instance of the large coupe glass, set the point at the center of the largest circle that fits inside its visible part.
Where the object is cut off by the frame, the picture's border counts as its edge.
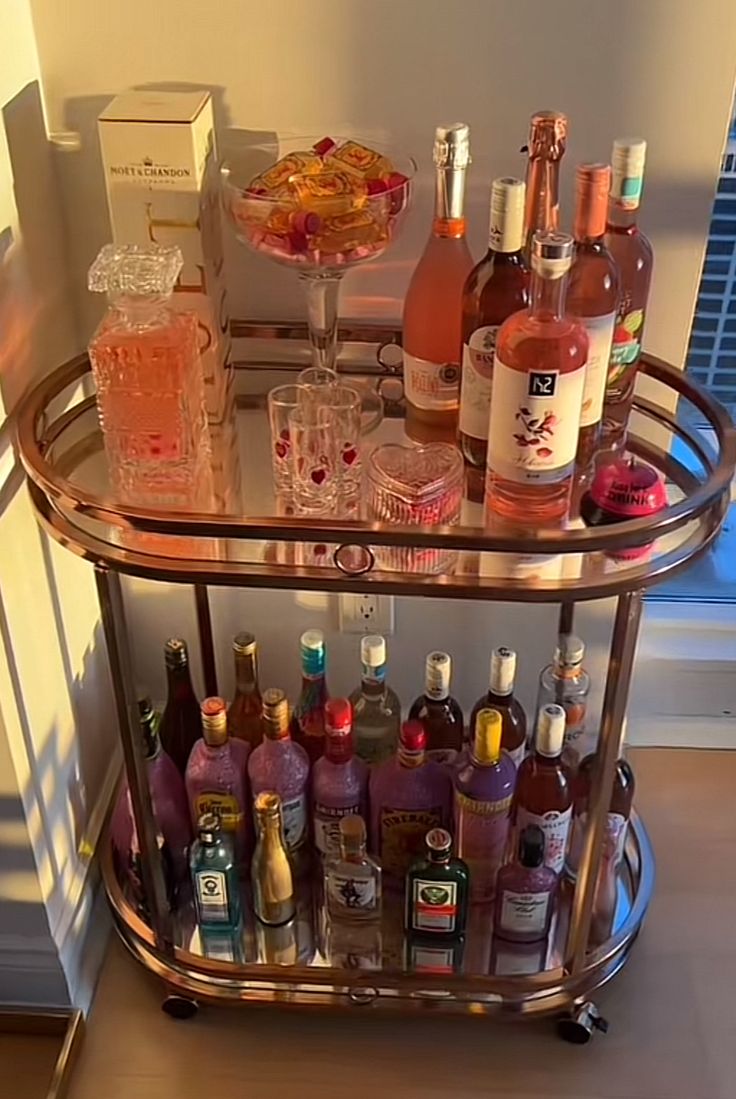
(320, 206)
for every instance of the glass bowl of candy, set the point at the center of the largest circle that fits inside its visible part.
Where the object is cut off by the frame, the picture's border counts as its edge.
(321, 206)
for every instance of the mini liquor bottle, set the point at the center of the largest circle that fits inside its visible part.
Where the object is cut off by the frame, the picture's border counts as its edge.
(526, 892)
(281, 766)
(633, 253)
(496, 287)
(246, 709)
(214, 876)
(537, 396)
(484, 786)
(181, 721)
(217, 780)
(543, 793)
(376, 708)
(352, 880)
(150, 384)
(409, 795)
(437, 890)
(566, 682)
(437, 711)
(592, 297)
(433, 303)
(308, 719)
(500, 697)
(273, 884)
(168, 800)
(339, 779)
(547, 142)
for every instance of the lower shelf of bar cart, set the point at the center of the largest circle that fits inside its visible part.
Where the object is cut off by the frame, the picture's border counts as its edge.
(311, 963)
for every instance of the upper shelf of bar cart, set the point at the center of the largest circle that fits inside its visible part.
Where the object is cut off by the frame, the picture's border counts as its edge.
(246, 541)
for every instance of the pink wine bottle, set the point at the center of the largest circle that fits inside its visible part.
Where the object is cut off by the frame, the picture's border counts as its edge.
(339, 779)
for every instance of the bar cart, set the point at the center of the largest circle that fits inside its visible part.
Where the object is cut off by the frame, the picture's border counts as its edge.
(249, 545)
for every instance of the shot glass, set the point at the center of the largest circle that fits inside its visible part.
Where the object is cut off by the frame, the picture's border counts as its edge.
(314, 459)
(281, 403)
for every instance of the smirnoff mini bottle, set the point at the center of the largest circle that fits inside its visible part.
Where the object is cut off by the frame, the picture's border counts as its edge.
(280, 766)
(484, 786)
(409, 795)
(339, 779)
(543, 793)
(500, 697)
(216, 778)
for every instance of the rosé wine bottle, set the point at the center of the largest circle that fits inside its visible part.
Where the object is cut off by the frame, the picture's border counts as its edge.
(280, 766)
(217, 780)
(409, 795)
(484, 786)
(339, 779)
(543, 793)
(168, 798)
(500, 696)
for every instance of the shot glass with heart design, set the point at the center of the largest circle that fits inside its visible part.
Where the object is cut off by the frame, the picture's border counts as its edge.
(315, 466)
(281, 403)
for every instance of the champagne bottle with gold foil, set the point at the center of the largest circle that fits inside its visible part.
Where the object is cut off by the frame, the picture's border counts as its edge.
(273, 883)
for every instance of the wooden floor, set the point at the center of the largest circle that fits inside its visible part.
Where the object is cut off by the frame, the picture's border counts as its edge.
(672, 1010)
(27, 1064)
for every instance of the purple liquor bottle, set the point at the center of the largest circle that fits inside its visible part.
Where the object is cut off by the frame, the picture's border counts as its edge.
(217, 778)
(484, 787)
(280, 766)
(168, 799)
(339, 779)
(526, 892)
(409, 795)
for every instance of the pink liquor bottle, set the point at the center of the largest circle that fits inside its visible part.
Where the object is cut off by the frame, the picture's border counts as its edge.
(339, 779)
(168, 799)
(217, 779)
(280, 766)
(150, 385)
(526, 891)
(409, 795)
(484, 787)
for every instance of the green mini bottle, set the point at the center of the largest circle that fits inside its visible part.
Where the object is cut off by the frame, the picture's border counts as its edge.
(436, 904)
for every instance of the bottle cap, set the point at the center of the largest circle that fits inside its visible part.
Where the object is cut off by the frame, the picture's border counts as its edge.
(487, 740)
(275, 714)
(373, 650)
(547, 135)
(208, 827)
(339, 715)
(452, 145)
(531, 846)
(569, 651)
(312, 645)
(338, 730)
(550, 730)
(267, 804)
(592, 186)
(439, 842)
(352, 832)
(413, 738)
(214, 721)
(506, 230)
(627, 176)
(175, 653)
(438, 670)
(136, 270)
(244, 644)
(503, 671)
(551, 254)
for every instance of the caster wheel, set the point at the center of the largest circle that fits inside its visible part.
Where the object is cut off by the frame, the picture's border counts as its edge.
(578, 1026)
(179, 1007)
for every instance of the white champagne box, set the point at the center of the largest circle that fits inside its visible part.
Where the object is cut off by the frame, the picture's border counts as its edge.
(159, 156)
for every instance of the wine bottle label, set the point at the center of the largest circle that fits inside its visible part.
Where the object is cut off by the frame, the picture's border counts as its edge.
(481, 832)
(224, 806)
(625, 347)
(350, 893)
(534, 423)
(556, 828)
(212, 899)
(434, 387)
(434, 906)
(402, 833)
(600, 337)
(517, 755)
(327, 826)
(524, 912)
(294, 816)
(475, 387)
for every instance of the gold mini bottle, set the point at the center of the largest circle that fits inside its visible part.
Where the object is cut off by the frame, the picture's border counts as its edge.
(273, 884)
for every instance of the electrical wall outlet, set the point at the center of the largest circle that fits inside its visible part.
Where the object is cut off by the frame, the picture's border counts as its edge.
(366, 613)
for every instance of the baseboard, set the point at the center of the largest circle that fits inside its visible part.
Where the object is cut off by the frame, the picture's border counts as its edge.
(663, 731)
(31, 972)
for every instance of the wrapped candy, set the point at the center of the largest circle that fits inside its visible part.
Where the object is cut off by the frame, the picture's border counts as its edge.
(368, 162)
(276, 179)
(329, 192)
(348, 231)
